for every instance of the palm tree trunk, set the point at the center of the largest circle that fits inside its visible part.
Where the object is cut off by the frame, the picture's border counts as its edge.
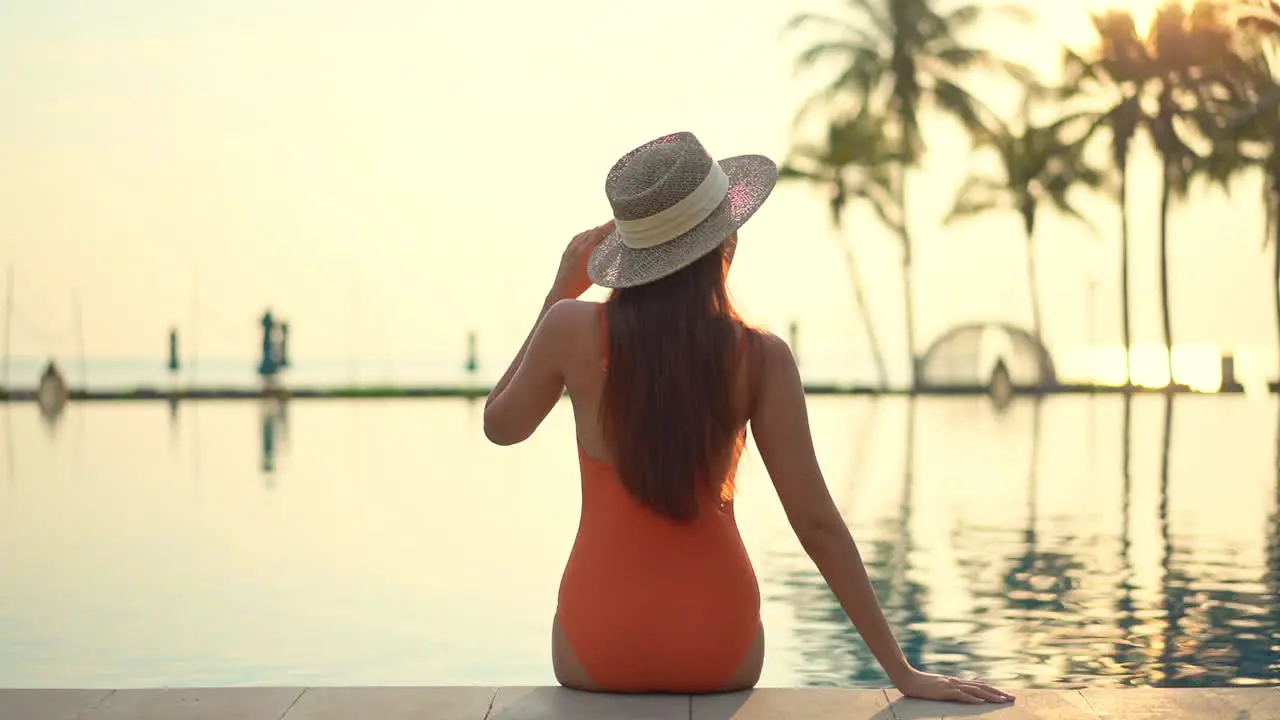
(1275, 267)
(864, 311)
(907, 297)
(1124, 270)
(907, 294)
(1033, 285)
(1166, 196)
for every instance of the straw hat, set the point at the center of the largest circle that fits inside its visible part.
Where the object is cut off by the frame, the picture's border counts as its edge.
(672, 204)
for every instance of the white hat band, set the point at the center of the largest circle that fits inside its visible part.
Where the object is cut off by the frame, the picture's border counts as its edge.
(651, 231)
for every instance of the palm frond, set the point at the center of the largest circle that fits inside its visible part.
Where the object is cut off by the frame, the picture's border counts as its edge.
(852, 51)
(1064, 207)
(978, 195)
(790, 173)
(874, 12)
(961, 104)
(951, 59)
(1078, 72)
(1267, 104)
(966, 16)
(881, 199)
(1264, 18)
(826, 22)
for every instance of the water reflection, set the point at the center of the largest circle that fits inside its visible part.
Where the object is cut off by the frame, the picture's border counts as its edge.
(1216, 618)
(274, 424)
(1043, 605)
(833, 651)
(1041, 579)
(864, 432)
(1172, 584)
(172, 402)
(998, 547)
(1126, 653)
(52, 416)
(11, 473)
(1273, 558)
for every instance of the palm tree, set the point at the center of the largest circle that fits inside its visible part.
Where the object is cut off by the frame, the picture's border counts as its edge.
(1251, 137)
(1191, 55)
(1263, 19)
(855, 163)
(901, 56)
(1037, 167)
(1117, 70)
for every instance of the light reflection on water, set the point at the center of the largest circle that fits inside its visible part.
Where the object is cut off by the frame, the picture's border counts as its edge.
(1065, 542)
(1066, 595)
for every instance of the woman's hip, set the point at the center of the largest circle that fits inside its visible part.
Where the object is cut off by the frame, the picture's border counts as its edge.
(653, 656)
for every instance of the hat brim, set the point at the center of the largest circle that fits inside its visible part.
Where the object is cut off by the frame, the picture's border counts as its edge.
(751, 180)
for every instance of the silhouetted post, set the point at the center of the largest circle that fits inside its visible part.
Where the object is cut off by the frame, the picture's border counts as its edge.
(174, 364)
(794, 332)
(268, 367)
(284, 345)
(1229, 382)
(473, 363)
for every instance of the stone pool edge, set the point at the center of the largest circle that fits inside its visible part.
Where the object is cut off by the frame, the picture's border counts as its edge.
(553, 703)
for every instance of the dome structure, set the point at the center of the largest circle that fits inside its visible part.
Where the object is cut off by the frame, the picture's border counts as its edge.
(970, 355)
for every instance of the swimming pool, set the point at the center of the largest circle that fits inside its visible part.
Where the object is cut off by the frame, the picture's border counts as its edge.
(363, 543)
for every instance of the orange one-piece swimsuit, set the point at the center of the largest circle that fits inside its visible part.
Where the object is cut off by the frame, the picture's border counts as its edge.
(649, 604)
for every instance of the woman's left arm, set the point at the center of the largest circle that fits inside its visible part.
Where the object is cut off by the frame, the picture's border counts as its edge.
(534, 381)
(532, 384)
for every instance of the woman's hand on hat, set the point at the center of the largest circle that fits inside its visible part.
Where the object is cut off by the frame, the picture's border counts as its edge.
(571, 279)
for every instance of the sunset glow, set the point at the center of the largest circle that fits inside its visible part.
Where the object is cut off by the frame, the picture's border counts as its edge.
(1198, 366)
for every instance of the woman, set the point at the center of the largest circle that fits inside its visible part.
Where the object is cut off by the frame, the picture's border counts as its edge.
(658, 594)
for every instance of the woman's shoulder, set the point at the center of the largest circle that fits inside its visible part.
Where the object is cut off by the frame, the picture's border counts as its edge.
(569, 321)
(770, 345)
(771, 354)
(571, 312)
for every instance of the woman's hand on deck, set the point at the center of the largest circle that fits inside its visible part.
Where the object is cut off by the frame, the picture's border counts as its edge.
(571, 279)
(928, 686)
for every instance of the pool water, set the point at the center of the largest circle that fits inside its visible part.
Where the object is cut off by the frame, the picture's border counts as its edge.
(386, 542)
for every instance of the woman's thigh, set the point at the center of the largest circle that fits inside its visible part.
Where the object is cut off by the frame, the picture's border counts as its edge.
(564, 661)
(748, 673)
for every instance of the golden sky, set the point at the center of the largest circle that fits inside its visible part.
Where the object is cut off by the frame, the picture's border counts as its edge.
(403, 172)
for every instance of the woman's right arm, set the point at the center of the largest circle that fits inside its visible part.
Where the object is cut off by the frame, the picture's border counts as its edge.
(780, 426)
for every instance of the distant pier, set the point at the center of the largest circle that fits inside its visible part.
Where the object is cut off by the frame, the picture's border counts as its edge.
(274, 360)
(478, 391)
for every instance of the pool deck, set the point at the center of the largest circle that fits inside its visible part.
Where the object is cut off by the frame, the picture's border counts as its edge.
(547, 703)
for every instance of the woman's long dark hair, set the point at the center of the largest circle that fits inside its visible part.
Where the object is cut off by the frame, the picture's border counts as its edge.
(668, 410)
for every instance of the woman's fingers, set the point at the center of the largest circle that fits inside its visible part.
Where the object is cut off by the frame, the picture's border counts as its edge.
(986, 692)
(968, 696)
(590, 238)
(600, 233)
